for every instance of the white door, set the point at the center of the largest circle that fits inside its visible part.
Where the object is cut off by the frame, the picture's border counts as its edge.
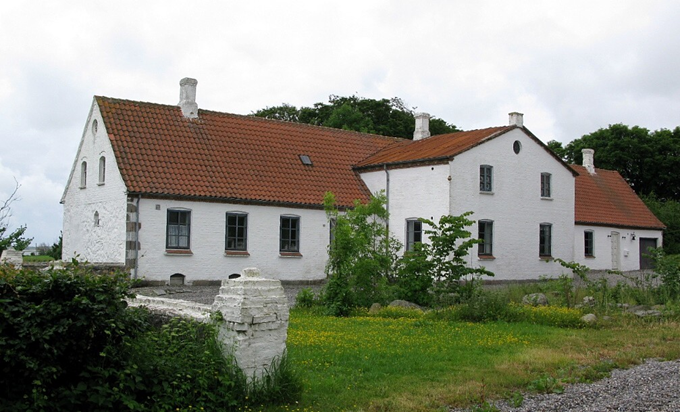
(616, 246)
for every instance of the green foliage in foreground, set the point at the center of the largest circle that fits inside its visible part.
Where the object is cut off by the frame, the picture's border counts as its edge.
(68, 342)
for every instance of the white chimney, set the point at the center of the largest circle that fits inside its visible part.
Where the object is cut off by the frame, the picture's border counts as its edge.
(422, 126)
(187, 97)
(588, 162)
(516, 119)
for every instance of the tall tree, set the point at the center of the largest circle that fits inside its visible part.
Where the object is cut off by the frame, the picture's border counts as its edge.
(387, 117)
(649, 161)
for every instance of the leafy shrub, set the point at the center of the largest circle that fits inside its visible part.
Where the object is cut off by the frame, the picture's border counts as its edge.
(52, 325)
(414, 277)
(485, 307)
(361, 256)
(395, 312)
(558, 316)
(668, 269)
(68, 342)
(306, 298)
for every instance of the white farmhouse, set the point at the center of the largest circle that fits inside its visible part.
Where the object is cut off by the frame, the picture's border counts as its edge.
(179, 194)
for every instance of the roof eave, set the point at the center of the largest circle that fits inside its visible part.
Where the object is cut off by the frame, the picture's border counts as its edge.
(617, 225)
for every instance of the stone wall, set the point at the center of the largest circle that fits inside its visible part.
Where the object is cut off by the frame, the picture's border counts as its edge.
(254, 324)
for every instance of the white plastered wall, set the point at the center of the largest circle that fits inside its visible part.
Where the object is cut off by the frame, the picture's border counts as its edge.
(207, 260)
(103, 242)
(515, 205)
(602, 259)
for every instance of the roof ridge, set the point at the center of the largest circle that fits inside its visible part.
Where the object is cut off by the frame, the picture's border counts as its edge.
(257, 118)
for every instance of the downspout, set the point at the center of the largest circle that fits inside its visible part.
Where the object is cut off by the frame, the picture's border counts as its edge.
(387, 208)
(139, 197)
(387, 197)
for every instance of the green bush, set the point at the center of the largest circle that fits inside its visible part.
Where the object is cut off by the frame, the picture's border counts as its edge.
(52, 326)
(306, 298)
(68, 342)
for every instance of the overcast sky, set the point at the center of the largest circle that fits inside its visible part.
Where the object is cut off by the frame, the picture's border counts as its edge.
(571, 67)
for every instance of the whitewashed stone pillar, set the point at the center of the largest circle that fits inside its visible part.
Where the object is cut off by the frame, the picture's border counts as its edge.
(12, 257)
(255, 328)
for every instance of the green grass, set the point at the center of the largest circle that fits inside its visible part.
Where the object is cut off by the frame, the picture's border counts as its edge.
(41, 258)
(425, 364)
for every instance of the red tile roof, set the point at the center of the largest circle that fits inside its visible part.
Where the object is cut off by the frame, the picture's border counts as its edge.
(606, 199)
(230, 157)
(440, 147)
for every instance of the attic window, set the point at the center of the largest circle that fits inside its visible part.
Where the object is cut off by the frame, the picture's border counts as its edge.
(305, 160)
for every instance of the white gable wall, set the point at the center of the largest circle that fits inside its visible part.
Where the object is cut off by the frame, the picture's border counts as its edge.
(604, 238)
(105, 242)
(207, 244)
(515, 205)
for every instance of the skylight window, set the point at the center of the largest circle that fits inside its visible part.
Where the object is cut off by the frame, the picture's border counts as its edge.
(305, 160)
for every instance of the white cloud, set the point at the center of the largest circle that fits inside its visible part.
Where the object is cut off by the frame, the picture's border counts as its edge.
(571, 66)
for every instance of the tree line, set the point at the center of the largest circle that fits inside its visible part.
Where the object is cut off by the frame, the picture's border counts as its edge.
(387, 117)
(648, 160)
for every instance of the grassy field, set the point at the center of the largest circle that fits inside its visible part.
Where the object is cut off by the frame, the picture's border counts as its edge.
(424, 364)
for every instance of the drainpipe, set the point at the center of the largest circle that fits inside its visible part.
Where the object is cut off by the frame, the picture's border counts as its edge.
(387, 195)
(139, 197)
(387, 207)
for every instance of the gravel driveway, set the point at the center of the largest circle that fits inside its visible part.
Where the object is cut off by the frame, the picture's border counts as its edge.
(652, 386)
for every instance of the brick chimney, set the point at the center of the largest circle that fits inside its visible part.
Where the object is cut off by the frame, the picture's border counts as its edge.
(516, 119)
(588, 162)
(187, 97)
(422, 126)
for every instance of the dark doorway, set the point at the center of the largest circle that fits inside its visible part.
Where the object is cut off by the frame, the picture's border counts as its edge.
(645, 261)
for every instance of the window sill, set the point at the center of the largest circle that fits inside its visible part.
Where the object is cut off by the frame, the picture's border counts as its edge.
(236, 253)
(486, 257)
(589, 256)
(546, 258)
(179, 252)
(82, 187)
(482, 192)
(100, 184)
(290, 254)
(546, 198)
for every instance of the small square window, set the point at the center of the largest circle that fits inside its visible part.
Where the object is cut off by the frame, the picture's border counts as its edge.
(306, 160)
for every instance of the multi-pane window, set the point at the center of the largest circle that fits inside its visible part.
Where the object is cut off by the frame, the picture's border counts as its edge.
(236, 231)
(102, 170)
(588, 244)
(545, 184)
(545, 239)
(414, 233)
(83, 174)
(486, 236)
(178, 229)
(485, 178)
(290, 234)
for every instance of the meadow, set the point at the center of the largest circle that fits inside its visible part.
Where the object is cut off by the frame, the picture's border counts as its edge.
(425, 362)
